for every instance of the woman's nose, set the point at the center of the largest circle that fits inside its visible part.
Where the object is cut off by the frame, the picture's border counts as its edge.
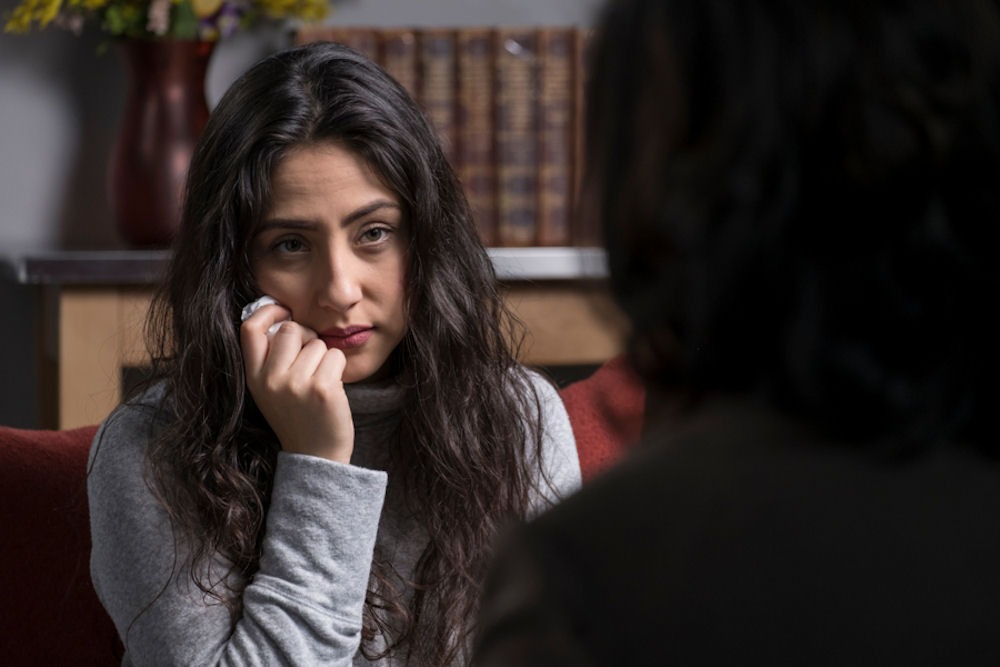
(341, 287)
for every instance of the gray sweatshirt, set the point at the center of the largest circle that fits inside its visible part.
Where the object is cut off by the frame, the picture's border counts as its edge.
(304, 605)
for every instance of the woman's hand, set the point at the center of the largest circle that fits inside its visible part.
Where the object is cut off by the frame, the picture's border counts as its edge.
(297, 384)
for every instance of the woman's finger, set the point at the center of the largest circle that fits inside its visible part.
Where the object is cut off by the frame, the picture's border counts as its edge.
(304, 366)
(285, 345)
(253, 334)
(332, 365)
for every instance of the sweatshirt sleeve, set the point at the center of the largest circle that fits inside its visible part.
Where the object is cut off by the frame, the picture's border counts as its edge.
(304, 604)
(560, 464)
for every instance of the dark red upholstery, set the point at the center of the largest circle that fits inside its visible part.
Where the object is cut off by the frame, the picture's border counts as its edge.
(49, 612)
(606, 412)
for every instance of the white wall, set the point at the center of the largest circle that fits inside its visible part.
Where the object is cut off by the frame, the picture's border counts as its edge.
(60, 104)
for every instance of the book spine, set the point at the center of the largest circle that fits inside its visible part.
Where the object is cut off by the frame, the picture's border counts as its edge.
(516, 129)
(556, 138)
(583, 229)
(437, 83)
(398, 56)
(361, 39)
(309, 33)
(475, 153)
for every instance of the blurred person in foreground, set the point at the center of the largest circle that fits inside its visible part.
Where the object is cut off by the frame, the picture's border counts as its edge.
(799, 201)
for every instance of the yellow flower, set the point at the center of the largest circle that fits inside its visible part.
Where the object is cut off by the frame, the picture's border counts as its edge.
(308, 10)
(205, 8)
(196, 19)
(19, 20)
(30, 11)
(88, 5)
(313, 10)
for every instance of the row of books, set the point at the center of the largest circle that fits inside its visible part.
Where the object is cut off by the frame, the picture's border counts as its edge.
(506, 104)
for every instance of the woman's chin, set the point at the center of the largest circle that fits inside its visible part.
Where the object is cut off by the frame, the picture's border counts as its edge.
(358, 373)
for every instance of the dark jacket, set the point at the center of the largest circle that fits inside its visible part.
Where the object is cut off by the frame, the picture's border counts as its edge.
(744, 538)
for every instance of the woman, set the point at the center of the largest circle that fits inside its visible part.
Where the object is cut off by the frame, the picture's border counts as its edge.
(321, 483)
(799, 200)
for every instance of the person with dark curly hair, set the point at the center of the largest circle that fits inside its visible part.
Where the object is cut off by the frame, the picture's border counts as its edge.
(799, 200)
(335, 426)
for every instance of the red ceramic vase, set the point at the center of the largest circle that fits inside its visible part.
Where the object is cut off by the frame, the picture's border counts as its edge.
(165, 113)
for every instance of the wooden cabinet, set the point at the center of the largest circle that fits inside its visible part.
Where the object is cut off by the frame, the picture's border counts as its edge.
(93, 305)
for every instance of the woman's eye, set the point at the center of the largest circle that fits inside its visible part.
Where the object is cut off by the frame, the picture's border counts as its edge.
(374, 234)
(289, 245)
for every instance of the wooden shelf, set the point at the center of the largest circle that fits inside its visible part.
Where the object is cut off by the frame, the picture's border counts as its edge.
(549, 263)
(86, 267)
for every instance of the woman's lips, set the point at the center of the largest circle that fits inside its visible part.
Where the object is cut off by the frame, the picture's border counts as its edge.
(345, 339)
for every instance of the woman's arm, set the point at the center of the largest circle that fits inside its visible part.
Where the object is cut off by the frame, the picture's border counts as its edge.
(303, 606)
(560, 462)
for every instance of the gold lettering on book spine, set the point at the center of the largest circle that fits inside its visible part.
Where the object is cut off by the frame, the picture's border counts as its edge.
(437, 84)
(517, 154)
(399, 58)
(556, 106)
(475, 159)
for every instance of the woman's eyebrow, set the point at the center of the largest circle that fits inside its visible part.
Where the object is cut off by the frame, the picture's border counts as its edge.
(287, 223)
(369, 209)
(308, 225)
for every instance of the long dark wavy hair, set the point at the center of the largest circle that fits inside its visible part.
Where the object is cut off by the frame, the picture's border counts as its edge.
(800, 200)
(468, 409)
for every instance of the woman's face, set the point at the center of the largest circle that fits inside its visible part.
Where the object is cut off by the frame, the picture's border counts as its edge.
(332, 250)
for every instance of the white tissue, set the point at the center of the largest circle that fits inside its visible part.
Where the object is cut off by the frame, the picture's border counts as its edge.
(254, 306)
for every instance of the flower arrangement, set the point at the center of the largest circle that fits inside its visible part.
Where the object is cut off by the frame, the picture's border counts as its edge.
(206, 20)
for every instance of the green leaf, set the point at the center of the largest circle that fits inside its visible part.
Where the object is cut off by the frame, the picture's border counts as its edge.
(183, 21)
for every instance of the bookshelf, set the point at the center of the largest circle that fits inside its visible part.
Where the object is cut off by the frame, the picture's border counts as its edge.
(506, 104)
(91, 307)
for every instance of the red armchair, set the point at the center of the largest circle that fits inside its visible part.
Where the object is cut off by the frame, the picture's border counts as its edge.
(50, 614)
(606, 411)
